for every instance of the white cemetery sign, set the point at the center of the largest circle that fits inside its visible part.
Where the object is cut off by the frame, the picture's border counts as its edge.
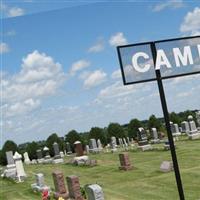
(158, 60)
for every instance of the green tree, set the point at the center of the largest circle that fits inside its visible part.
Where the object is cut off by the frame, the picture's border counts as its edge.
(50, 140)
(175, 118)
(73, 136)
(133, 126)
(115, 129)
(154, 123)
(31, 149)
(8, 146)
(97, 133)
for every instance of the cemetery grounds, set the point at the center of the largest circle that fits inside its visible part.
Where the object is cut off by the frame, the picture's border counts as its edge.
(144, 182)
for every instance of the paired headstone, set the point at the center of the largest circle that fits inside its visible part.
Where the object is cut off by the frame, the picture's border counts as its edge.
(74, 187)
(21, 175)
(59, 183)
(78, 148)
(166, 166)
(125, 162)
(26, 158)
(94, 192)
(39, 186)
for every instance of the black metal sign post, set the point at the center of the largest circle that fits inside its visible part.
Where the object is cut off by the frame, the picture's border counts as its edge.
(159, 78)
(167, 123)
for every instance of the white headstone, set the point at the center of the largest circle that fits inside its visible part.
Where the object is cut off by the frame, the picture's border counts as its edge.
(94, 192)
(26, 158)
(166, 166)
(19, 167)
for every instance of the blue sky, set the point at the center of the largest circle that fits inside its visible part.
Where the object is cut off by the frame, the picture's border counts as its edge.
(60, 68)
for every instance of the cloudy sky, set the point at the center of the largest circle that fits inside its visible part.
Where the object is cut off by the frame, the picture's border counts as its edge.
(60, 70)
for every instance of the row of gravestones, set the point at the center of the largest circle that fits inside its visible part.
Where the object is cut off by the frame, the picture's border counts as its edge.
(14, 168)
(94, 191)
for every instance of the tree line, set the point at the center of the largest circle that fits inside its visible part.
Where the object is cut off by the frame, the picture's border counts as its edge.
(104, 134)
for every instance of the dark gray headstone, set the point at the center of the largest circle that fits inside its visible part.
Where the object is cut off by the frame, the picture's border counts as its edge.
(39, 154)
(56, 150)
(69, 150)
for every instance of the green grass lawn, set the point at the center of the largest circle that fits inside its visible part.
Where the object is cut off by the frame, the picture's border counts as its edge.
(145, 182)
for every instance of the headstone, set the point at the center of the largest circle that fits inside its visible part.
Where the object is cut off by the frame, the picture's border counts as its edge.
(34, 161)
(166, 166)
(193, 134)
(62, 154)
(47, 158)
(124, 162)
(113, 144)
(185, 127)
(128, 141)
(40, 158)
(99, 145)
(94, 192)
(174, 129)
(39, 186)
(56, 150)
(120, 142)
(154, 135)
(9, 157)
(26, 159)
(59, 183)
(74, 187)
(78, 148)
(21, 175)
(167, 145)
(57, 157)
(198, 118)
(87, 149)
(93, 146)
(143, 140)
(125, 144)
(10, 171)
(69, 151)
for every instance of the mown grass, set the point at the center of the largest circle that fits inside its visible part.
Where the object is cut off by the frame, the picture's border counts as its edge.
(145, 182)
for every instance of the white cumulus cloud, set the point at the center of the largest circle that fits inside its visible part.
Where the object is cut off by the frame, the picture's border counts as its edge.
(40, 76)
(118, 39)
(78, 66)
(116, 74)
(191, 23)
(94, 79)
(98, 47)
